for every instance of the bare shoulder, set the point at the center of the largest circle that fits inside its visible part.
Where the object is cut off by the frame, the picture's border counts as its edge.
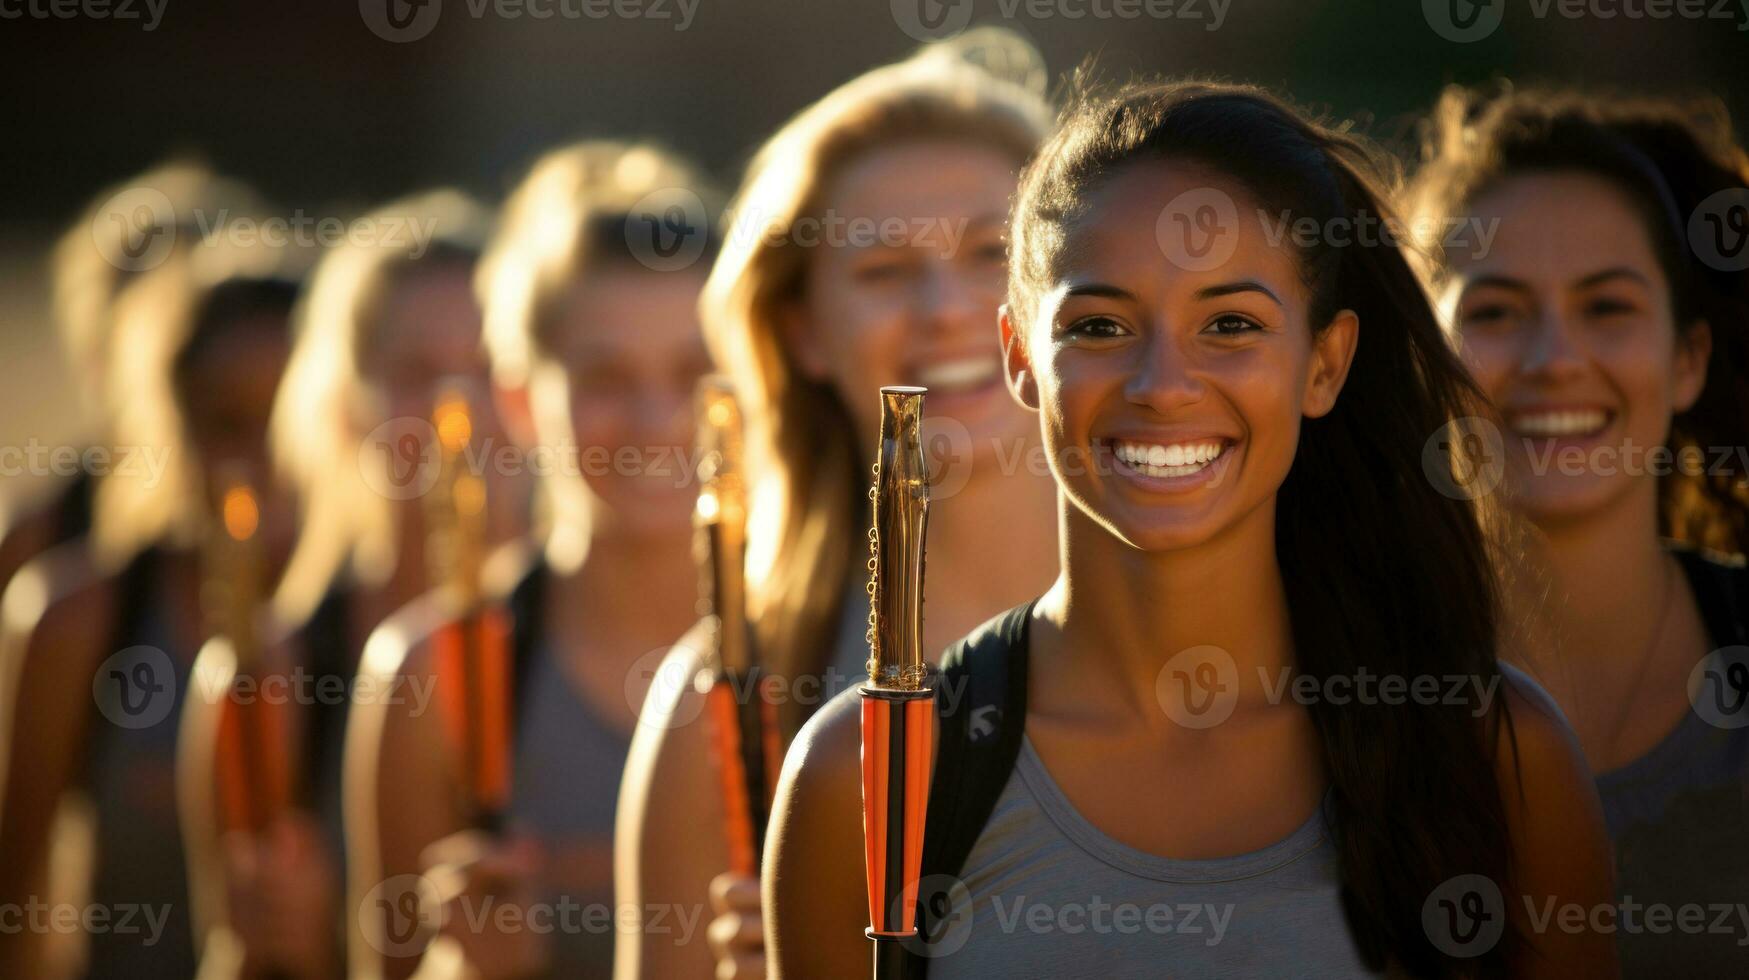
(674, 700)
(668, 768)
(401, 645)
(826, 754)
(60, 600)
(1542, 752)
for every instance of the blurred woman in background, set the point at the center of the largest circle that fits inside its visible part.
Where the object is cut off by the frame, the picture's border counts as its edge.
(197, 349)
(129, 228)
(593, 333)
(811, 315)
(384, 321)
(1609, 324)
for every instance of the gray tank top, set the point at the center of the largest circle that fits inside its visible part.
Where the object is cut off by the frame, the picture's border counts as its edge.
(564, 791)
(1052, 896)
(1678, 815)
(139, 876)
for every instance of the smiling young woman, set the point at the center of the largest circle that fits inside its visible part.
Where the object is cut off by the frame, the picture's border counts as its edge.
(1236, 424)
(866, 250)
(1608, 327)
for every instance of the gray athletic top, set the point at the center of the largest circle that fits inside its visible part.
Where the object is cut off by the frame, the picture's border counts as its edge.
(1053, 896)
(1678, 816)
(564, 790)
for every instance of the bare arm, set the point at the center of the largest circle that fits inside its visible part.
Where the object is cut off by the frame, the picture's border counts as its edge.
(816, 896)
(1561, 851)
(668, 838)
(56, 619)
(399, 793)
(197, 799)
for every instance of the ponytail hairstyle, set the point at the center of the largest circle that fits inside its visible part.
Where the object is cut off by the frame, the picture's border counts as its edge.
(808, 463)
(1383, 571)
(1667, 158)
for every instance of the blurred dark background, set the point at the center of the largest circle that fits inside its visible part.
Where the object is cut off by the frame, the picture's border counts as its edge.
(327, 116)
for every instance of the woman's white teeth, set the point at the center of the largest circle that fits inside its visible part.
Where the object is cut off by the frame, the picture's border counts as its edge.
(964, 372)
(1178, 459)
(1562, 423)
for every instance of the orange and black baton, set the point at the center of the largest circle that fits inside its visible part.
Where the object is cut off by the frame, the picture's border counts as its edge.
(898, 703)
(472, 652)
(253, 750)
(743, 726)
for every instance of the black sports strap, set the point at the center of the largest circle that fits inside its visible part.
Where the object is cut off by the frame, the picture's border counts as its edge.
(1722, 593)
(327, 653)
(981, 708)
(134, 596)
(527, 607)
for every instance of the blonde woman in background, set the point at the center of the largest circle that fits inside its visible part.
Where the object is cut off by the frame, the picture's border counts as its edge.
(385, 320)
(198, 347)
(810, 323)
(598, 349)
(127, 229)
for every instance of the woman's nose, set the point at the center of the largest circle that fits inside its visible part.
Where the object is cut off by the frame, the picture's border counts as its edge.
(1165, 378)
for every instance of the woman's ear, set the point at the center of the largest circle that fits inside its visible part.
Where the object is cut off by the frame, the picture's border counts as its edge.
(1694, 349)
(1332, 355)
(801, 340)
(1022, 381)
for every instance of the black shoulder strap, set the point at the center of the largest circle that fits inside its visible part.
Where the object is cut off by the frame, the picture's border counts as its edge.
(1722, 592)
(981, 708)
(527, 606)
(134, 596)
(326, 651)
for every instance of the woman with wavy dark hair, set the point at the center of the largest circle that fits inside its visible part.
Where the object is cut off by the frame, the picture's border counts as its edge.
(1237, 420)
(1606, 320)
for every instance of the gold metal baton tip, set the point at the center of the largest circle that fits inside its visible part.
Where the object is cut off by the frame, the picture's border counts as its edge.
(901, 517)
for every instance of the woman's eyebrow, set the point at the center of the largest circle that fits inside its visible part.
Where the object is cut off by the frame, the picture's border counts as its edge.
(1497, 281)
(1613, 272)
(1242, 286)
(1102, 290)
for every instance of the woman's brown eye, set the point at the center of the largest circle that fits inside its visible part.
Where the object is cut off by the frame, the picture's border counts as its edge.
(1230, 325)
(1608, 307)
(1097, 327)
(1486, 315)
